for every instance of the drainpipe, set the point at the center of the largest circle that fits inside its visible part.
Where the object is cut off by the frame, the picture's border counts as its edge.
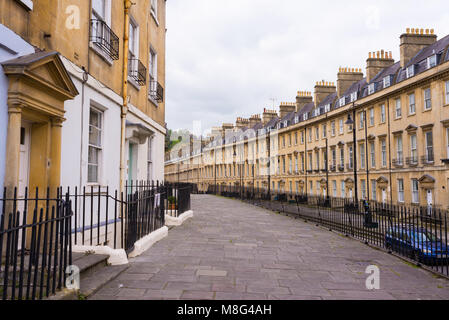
(124, 110)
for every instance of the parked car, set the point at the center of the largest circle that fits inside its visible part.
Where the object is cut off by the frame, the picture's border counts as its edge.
(417, 243)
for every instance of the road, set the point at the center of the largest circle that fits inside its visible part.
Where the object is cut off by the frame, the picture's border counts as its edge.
(233, 250)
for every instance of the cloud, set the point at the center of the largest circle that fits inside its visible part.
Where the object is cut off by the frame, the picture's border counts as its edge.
(229, 58)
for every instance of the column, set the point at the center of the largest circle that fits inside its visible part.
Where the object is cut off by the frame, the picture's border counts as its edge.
(12, 166)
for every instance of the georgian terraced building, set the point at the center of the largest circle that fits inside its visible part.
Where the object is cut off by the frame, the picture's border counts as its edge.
(81, 93)
(398, 152)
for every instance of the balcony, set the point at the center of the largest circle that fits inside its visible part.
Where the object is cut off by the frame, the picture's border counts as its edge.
(333, 168)
(103, 37)
(341, 167)
(156, 91)
(137, 71)
(398, 162)
(349, 166)
(411, 161)
(427, 159)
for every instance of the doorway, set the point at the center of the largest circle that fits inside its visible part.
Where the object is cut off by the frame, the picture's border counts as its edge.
(429, 198)
(24, 164)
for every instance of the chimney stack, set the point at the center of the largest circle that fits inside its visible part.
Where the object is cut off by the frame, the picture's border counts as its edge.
(241, 123)
(268, 115)
(285, 108)
(413, 41)
(255, 119)
(322, 90)
(376, 62)
(226, 127)
(347, 77)
(303, 98)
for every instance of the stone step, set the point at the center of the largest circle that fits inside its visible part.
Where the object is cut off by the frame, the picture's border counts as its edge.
(89, 263)
(98, 279)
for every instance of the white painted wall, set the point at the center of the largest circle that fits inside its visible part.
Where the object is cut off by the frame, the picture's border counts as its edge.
(75, 134)
(11, 46)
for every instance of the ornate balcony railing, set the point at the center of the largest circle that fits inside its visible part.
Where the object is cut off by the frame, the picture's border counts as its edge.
(411, 161)
(137, 71)
(341, 167)
(398, 162)
(156, 91)
(428, 158)
(103, 37)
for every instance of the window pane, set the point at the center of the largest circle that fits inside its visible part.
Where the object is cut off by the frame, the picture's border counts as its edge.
(92, 174)
(99, 6)
(94, 136)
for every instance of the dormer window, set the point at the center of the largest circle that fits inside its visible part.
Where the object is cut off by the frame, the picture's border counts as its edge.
(353, 96)
(305, 116)
(387, 81)
(296, 119)
(371, 88)
(327, 108)
(342, 101)
(410, 71)
(285, 123)
(431, 61)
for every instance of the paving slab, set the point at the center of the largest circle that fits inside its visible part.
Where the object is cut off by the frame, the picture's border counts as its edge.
(235, 251)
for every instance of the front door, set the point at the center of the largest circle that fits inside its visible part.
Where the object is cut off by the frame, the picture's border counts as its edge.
(24, 171)
(429, 201)
(24, 166)
(131, 168)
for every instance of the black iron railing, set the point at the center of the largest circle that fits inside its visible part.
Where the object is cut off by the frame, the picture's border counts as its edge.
(35, 244)
(37, 231)
(156, 91)
(137, 71)
(419, 233)
(103, 37)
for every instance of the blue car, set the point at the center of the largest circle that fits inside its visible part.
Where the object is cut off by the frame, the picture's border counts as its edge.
(417, 243)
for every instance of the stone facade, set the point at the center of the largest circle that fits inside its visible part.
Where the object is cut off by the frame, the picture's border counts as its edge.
(63, 89)
(401, 120)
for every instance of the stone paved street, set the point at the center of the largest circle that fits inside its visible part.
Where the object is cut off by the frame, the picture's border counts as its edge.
(232, 250)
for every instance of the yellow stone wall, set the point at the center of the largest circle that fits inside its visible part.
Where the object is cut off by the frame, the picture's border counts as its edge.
(436, 119)
(49, 18)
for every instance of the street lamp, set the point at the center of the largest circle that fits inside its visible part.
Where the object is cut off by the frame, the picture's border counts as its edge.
(350, 121)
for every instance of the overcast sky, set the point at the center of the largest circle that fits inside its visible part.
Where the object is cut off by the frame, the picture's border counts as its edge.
(231, 58)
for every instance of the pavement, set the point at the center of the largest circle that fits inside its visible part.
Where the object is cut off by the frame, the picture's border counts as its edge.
(231, 250)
